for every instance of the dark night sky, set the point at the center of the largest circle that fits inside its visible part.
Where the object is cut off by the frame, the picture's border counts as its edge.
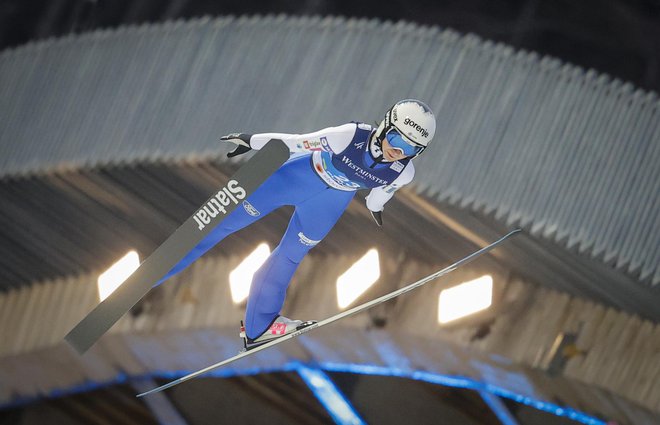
(619, 37)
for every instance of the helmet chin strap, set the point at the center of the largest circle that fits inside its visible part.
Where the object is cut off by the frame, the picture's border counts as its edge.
(376, 148)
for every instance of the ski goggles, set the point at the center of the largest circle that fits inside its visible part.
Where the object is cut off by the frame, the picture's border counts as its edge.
(397, 141)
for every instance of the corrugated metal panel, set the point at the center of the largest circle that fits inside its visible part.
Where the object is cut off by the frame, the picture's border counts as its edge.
(568, 154)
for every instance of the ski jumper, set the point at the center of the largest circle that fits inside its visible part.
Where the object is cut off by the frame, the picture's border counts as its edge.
(319, 180)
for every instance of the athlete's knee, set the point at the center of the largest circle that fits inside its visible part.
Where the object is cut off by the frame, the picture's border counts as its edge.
(295, 248)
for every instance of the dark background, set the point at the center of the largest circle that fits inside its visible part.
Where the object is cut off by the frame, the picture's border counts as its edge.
(618, 37)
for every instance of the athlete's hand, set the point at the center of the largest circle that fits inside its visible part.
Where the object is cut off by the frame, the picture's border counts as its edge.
(242, 142)
(378, 217)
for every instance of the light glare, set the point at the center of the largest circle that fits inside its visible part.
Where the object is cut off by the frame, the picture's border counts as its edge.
(358, 278)
(110, 280)
(240, 278)
(465, 299)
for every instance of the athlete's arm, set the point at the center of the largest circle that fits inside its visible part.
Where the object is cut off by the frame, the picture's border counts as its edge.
(331, 139)
(379, 196)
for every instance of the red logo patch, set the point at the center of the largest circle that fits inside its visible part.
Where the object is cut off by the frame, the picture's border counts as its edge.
(313, 145)
(278, 329)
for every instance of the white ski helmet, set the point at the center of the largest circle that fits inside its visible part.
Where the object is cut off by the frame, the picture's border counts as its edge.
(413, 119)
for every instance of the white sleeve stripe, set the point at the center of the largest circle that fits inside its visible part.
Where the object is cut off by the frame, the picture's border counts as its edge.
(334, 139)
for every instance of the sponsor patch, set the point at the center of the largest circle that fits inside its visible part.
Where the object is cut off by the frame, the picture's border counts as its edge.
(334, 179)
(216, 205)
(324, 144)
(391, 188)
(397, 166)
(361, 172)
(278, 329)
(424, 132)
(250, 209)
(305, 240)
(313, 145)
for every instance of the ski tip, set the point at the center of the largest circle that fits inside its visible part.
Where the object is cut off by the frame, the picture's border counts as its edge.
(512, 233)
(155, 390)
(161, 388)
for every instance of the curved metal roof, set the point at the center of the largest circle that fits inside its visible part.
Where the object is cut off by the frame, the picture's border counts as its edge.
(569, 154)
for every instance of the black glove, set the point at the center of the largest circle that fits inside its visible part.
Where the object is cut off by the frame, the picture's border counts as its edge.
(242, 142)
(378, 217)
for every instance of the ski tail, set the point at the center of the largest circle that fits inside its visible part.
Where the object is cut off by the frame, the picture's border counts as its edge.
(239, 186)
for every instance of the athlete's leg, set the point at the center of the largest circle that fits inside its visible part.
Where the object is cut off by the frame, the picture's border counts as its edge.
(311, 221)
(270, 195)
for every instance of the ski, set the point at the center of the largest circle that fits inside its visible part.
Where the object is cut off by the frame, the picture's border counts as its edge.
(239, 186)
(338, 316)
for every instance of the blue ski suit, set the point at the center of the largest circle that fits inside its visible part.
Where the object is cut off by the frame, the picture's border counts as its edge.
(319, 180)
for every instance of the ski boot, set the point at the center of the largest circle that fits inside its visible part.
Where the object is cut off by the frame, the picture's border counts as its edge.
(281, 326)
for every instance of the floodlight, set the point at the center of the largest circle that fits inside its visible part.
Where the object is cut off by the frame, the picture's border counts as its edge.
(465, 299)
(240, 278)
(358, 278)
(110, 280)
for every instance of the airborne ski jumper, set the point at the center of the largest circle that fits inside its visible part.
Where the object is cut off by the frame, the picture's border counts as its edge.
(325, 170)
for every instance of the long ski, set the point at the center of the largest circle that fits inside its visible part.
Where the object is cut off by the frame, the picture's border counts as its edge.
(338, 316)
(239, 186)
